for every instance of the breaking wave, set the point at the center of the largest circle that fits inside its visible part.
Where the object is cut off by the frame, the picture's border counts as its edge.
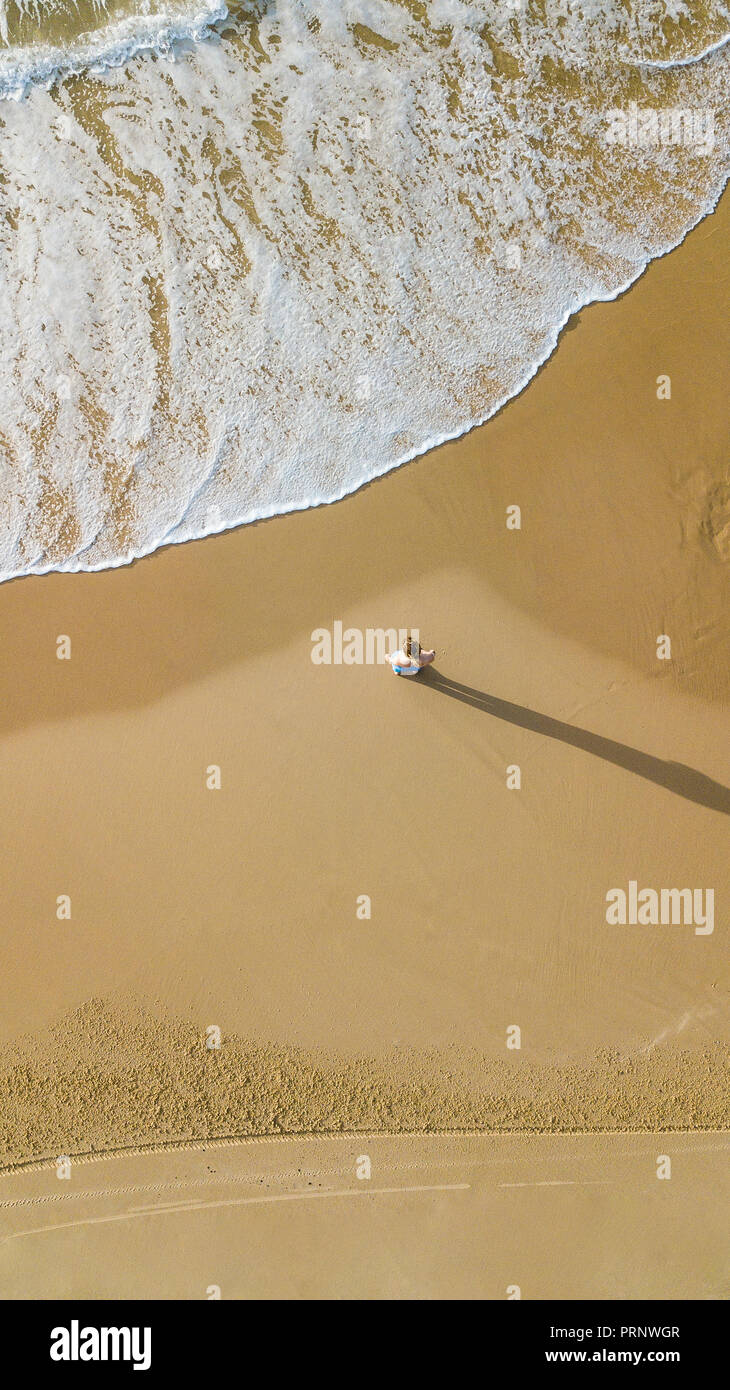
(44, 42)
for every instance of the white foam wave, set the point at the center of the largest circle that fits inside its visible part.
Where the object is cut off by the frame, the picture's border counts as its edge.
(112, 45)
(336, 236)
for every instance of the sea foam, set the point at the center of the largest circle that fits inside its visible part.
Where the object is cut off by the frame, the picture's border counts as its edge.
(326, 238)
(111, 40)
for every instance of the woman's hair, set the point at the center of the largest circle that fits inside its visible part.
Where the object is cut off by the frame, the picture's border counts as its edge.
(411, 647)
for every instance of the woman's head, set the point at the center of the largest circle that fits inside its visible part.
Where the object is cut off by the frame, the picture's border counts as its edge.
(412, 648)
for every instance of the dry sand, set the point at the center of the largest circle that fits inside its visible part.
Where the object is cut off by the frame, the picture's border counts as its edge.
(237, 907)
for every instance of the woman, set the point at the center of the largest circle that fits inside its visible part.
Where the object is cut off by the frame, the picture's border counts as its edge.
(410, 659)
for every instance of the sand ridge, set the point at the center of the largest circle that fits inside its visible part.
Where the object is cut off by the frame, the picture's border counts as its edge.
(106, 1079)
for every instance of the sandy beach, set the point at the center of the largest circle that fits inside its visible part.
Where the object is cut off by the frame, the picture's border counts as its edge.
(237, 907)
(486, 1217)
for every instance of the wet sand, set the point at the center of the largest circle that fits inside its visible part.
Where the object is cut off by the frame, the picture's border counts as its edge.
(237, 907)
(492, 1217)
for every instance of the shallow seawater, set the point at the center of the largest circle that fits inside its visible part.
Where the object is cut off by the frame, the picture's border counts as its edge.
(62, 23)
(25, 23)
(246, 271)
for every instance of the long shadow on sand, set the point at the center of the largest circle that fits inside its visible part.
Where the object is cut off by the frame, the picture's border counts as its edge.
(675, 777)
